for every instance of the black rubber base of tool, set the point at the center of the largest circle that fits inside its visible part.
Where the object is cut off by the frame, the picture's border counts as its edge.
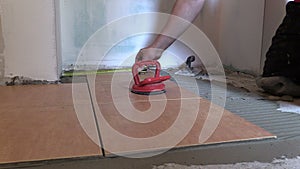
(148, 93)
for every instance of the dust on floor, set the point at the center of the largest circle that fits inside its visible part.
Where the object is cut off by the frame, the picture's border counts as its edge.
(276, 164)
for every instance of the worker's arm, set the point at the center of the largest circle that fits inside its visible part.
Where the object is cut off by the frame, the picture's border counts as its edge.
(185, 9)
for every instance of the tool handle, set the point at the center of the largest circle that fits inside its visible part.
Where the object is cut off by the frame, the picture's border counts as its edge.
(138, 65)
(153, 80)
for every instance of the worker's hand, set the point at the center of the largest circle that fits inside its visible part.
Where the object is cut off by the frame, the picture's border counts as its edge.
(148, 53)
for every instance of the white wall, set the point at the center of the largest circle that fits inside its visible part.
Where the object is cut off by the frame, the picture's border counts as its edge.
(29, 38)
(80, 19)
(234, 26)
(241, 34)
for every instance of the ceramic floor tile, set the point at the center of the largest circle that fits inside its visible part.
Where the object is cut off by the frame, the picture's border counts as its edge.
(35, 95)
(141, 123)
(131, 129)
(44, 124)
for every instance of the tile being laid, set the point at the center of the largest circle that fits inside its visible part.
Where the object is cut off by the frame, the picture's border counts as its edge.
(179, 123)
(117, 88)
(145, 126)
(142, 124)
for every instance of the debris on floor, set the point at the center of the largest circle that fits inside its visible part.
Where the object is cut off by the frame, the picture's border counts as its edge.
(279, 86)
(186, 68)
(4, 80)
(244, 81)
(285, 98)
(288, 107)
(276, 164)
(19, 80)
(185, 72)
(248, 83)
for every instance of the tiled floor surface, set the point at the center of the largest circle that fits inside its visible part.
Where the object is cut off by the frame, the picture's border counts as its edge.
(101, 116)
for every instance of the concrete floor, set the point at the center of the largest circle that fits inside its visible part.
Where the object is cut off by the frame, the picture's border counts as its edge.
(276, 164)
(261, 151)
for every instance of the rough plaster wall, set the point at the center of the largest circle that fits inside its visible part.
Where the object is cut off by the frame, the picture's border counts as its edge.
(29, 36)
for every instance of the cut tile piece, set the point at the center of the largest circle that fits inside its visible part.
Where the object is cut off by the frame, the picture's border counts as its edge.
(42, 124)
